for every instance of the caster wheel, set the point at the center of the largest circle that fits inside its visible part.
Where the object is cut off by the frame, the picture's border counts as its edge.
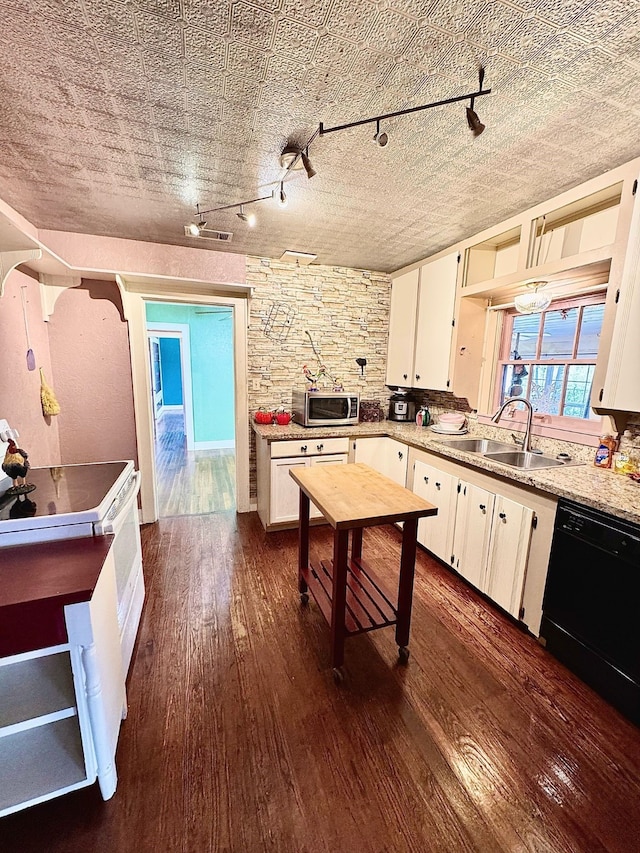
(403, 654)
(304, 598)
(338, 675)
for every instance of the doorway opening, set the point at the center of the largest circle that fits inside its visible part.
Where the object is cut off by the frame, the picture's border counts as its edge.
(191, 364)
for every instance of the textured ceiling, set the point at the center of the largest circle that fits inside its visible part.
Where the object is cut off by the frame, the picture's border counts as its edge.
(117, 117)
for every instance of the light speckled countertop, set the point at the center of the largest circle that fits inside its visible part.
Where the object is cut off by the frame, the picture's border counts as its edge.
(601, 489)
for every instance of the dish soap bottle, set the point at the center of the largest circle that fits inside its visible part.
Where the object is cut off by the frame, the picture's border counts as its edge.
(605, 451)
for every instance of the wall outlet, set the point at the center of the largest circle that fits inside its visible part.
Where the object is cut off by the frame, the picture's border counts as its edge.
(255, 385)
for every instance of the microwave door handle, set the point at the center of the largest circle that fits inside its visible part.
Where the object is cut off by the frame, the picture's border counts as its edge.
(112, 525)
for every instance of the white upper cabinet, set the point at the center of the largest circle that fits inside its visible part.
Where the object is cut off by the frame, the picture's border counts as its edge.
(621, 388)
(402, 329)
(434, 327)
(421, 325)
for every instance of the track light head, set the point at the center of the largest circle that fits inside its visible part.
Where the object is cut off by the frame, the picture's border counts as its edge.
(307, 165)
(380, 138)
(249, 218)
(475, 125)
(281, 196)
(196, 227)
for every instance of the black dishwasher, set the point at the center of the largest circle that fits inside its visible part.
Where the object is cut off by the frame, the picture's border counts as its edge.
(591, 607)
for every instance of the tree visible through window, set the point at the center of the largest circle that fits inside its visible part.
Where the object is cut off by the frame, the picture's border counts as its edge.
(550, 357)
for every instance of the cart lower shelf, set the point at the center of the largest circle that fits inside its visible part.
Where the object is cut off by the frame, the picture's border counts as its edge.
(368, 607)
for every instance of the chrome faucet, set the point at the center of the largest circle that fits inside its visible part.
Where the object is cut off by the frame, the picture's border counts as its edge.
(526, 441)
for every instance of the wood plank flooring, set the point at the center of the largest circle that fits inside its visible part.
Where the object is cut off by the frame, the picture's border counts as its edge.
(191, 483)
(238, 740)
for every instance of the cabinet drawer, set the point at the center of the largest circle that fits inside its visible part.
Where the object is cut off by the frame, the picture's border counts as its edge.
(312, 446)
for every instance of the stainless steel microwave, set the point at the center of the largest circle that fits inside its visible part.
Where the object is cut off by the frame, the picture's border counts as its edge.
(321, 408)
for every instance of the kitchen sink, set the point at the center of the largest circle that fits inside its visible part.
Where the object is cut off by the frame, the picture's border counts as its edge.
(476, 445)
(521, 459)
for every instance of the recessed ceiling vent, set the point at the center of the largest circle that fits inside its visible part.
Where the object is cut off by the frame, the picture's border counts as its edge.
(210, 234)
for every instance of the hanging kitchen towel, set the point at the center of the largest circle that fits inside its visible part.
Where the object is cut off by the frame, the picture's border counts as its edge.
(50, 405)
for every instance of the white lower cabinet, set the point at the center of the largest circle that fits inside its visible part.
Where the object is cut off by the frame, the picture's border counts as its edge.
(61, 707)
(473, 518)
(508, 554)
(385, 455)
(491, 544)
(440, 489)
(278, 493)
(484, 535)
(285, 494)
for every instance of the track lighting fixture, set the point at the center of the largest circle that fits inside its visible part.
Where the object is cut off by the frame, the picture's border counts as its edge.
(477, 127)
(196, 227)
(281, 196)
(249, 218)
(294, 159)
(380, 138)
(304, 156)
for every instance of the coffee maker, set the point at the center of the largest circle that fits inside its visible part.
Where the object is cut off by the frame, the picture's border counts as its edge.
(402, 406)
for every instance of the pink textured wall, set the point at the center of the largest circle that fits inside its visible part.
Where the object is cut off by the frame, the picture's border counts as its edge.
(89, 344)
(104, 254)
(19, 387)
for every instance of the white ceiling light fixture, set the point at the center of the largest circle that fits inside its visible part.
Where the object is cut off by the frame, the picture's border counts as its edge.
(532, 301)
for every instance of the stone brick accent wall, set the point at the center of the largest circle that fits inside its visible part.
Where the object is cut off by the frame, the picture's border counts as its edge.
(345, 311)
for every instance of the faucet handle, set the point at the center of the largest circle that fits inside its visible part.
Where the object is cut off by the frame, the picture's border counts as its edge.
(517, 439)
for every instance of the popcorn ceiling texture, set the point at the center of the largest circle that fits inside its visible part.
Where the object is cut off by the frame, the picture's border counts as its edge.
(346, 311)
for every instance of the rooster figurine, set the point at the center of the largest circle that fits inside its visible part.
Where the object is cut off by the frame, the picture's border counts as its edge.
(15, 465)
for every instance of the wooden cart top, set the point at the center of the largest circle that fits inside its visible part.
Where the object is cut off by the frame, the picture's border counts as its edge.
(355, 495)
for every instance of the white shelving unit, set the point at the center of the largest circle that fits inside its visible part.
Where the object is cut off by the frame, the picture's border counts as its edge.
(41, 745)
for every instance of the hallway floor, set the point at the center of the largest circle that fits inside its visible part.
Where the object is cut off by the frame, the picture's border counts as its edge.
(238, 741)
(191, 483)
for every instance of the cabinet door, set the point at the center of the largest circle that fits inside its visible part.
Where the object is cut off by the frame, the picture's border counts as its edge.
(508, 553)
(402, 329)
(329, 459)
(434, 326)
(620, 390)
(285, 494)
(395, 461)
(385, 455)
(440, 489)
(474, 511)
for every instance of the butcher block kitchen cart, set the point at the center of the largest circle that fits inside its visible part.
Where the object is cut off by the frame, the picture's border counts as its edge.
(348, 592)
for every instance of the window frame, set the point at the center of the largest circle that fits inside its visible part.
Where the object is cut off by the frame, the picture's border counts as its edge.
(554, 426)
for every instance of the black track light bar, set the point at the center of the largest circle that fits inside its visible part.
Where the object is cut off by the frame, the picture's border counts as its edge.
(231, 206)
(324, 130)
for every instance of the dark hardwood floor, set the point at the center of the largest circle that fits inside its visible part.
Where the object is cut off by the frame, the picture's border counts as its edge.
(195, 482)
(238, 740)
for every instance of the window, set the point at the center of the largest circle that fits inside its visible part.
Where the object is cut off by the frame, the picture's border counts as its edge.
(550, 358)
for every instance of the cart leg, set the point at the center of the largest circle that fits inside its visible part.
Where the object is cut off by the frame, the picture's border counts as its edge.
(303, 545)
(339, 598)
(356, 543)
(405, 585)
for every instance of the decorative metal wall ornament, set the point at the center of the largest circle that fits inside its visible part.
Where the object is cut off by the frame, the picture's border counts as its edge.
(278, 321)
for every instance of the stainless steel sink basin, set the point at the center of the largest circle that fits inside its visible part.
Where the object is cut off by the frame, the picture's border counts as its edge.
(476, 445)
(522, 460)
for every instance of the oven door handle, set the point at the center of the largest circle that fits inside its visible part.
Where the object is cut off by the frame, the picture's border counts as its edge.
(112, 525)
